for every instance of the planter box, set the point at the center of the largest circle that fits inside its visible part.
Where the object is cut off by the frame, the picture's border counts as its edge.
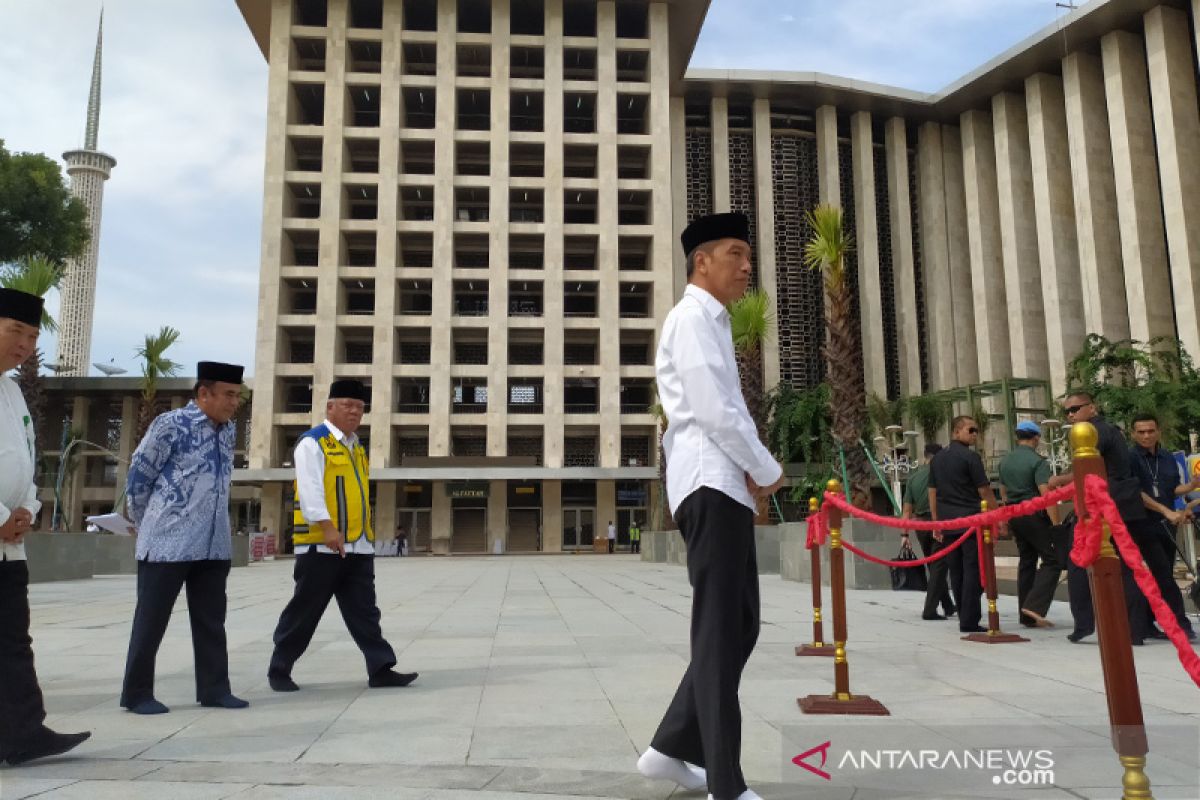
(60, 556)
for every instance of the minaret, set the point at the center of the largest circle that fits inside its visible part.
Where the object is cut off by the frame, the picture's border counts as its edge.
(89, 169)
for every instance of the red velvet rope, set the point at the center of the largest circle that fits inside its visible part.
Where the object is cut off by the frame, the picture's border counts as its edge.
(1088, 537)
(990, 518)
(817, 531)
(920, 562)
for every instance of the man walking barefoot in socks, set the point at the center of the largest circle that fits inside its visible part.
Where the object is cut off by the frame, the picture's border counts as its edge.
(717, 469)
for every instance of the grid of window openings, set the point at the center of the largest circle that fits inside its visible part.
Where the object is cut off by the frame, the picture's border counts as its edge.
(467, 198)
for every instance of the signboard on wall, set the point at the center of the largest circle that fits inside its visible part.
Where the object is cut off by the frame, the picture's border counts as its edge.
(474, 490)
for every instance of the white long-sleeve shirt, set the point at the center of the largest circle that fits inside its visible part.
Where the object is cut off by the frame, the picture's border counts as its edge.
(711, 439)
(310, 481)
(17, 489)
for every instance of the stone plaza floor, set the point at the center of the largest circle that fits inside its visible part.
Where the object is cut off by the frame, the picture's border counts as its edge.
(541, 677)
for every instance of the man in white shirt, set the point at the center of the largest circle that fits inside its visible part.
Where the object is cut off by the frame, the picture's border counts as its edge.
(717, 468)
(23, 737)
(335, 545)
(612, 537)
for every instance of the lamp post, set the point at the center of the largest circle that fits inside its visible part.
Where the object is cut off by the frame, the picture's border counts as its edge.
(1058, 451)
(893, 456)
(58, 481)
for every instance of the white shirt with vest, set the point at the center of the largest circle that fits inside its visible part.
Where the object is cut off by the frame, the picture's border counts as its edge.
(310, 485)
(17, 466)
(711, 439)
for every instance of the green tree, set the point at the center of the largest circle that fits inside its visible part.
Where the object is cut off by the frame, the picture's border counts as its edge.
(37, 275)
(928, 413)
(155, 365)
(826, 250)
(1128, 377)
(800, 431)
(38, 213)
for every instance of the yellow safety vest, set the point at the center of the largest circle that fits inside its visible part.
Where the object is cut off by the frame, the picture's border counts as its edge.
(347, 492)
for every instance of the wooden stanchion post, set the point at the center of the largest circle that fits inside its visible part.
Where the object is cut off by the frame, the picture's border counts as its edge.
(993, 635)
(818, 647)
(841, 701)
(1127, 727)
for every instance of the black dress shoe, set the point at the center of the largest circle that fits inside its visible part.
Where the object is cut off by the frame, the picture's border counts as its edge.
(227, 701)
(46, 744)
(932, 616)
(282, 683)
(976, 629)
(389, 677)
(1076, 636)
(1137, 642)
(1155, 633)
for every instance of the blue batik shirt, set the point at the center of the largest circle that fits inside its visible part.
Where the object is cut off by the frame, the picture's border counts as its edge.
(178, 489)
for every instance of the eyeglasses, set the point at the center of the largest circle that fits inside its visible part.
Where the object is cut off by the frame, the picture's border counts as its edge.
(1074, 409)
(972, 430)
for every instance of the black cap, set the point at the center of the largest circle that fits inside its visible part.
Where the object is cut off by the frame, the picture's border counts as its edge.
(351, 389)
(733, 225)
(21, 306)
(217, 371)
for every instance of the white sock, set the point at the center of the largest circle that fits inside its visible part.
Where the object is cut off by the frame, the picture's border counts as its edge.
(654, 764)
(746, 795)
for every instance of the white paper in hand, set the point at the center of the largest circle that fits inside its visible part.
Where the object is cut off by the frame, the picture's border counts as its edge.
(115, 523)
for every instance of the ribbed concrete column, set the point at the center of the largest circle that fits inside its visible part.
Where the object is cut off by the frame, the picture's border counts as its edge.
(262, 415)
(1054, 208)
(384, 517)
(441, 520)
(935, 256)
(1104, 307)
(498, 238)
(440, 336)
(128, 443)
(966, 354)
(497, 514)
(679, 218)
(1139, 205)
(608, 301)
(1018, 238)
(1177, 127)
(552, 517)
(983, 234)
(719, 113)
(829, 185)
(903, 270)
(552, 347)
(383, 371)
(866, 235)
(764, 204)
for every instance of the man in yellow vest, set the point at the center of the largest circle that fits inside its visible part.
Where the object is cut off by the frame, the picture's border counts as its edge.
(335, 544)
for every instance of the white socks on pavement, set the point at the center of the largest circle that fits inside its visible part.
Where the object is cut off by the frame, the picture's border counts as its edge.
(746, 795)
(654, 764)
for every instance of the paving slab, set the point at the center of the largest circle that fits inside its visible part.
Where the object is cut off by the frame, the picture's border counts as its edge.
(544, 677)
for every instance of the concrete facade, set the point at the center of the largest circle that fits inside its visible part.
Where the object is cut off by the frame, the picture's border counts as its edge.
(480, 215)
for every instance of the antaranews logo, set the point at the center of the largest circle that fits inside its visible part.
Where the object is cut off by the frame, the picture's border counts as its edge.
(1004, 766)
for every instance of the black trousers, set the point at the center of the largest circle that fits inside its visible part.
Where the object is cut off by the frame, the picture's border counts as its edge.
(1153, 541)
(938, 591)
(1079, 589)
(703, 724)
(22, 711)
(158, 585)
(964, 580)
(1035, 582)
(320, 577)
(635, 546)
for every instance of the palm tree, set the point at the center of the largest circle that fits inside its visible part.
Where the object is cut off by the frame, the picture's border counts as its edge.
(155, 365)
(37, 275)
(661, 518)
(750, 319)
(826, 251)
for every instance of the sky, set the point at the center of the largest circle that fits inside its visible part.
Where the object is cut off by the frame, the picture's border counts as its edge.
(184, 108)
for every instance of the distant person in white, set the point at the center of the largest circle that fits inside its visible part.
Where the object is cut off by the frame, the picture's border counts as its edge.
(23, 733)
(716, 470)
(612, 537)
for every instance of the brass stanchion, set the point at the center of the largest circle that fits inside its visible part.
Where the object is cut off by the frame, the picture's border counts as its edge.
(993, 635)
(818, 647)
(841, 701)
(1112, 630)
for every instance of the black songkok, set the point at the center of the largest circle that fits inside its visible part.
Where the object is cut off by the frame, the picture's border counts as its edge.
(21, 306)
(216, 371)
(351, 389)
(733, 225)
